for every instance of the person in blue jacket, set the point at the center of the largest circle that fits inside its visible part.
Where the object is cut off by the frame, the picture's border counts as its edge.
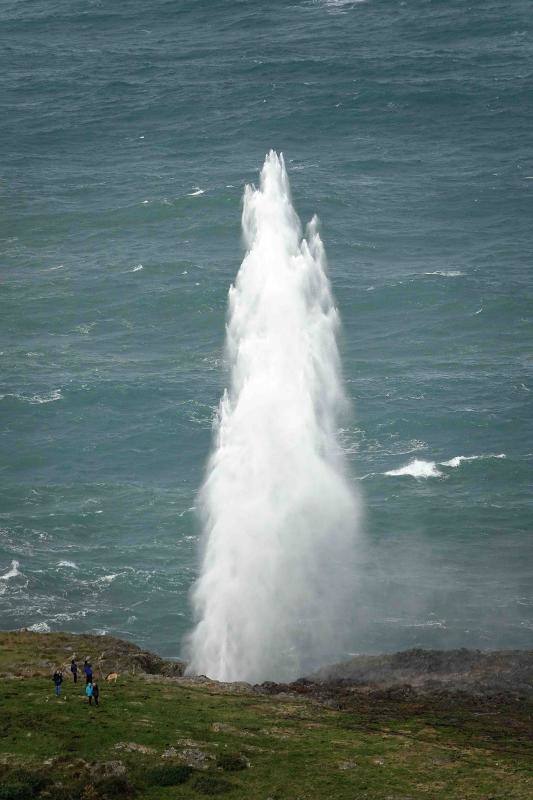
(88, 672)
(89, 692)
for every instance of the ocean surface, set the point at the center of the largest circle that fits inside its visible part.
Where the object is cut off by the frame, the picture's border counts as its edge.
(128, 131)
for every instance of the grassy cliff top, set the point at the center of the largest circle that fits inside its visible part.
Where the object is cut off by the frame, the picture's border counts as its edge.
(25, 653)
(157, 736)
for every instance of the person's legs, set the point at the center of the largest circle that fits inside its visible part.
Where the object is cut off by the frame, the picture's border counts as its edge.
(96, 701)
(90, 700)
(58, 689)
(75, 677)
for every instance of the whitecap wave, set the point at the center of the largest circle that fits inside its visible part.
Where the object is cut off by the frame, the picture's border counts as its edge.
(35, 399)
(446, 273)
(196, 191)
(12, 572)
(68, 564)
(417, 468)
(50, 397)
(107, 579)
(39, 627)
(458, 460)
(85, 329)
(65, 617)
(402, 622)
(187, 511)
(341, 6)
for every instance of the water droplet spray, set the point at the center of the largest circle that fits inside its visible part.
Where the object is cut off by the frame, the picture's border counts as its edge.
(280, 515)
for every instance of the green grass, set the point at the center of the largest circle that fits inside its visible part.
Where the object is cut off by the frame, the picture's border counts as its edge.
(296, 748)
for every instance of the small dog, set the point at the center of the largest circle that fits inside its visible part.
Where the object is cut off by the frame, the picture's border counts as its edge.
(112, 677)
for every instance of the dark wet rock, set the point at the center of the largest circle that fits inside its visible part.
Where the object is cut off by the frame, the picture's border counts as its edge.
(470, 671)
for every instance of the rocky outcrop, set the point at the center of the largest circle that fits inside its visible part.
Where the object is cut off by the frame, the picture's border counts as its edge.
(407, 672)
(470, 671)
(40, 654)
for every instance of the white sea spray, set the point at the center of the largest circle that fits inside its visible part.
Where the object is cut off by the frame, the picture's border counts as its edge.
(280, 515)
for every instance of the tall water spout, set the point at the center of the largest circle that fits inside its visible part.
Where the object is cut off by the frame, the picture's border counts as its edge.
(280, 516)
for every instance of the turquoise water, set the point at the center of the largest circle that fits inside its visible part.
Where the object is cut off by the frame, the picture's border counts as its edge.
(128, 131)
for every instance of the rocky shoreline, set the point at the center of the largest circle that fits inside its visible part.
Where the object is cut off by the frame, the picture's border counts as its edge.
(416, 671)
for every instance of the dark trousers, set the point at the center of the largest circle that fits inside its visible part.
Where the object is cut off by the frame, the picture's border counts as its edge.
(75, 676)
(88, 679)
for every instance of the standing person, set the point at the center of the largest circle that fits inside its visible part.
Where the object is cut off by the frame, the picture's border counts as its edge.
(96, 693)
(58, 680)
(88, 672)
(89, 692)
(74, 670)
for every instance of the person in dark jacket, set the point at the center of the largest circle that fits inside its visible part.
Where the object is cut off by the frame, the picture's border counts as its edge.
(74, 670)
(88, 672)
(58, 680)
(96, 693)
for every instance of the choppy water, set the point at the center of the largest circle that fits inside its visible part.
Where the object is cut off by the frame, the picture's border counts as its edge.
(127, 132)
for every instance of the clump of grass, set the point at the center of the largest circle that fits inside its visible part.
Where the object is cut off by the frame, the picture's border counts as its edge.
(171, 775)
(14, 791)
(231, 762)
(211, 785)
(75, 792)
(114, 786)
(22, 785)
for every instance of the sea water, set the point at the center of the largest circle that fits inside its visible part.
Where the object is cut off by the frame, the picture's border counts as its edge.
(128, 132)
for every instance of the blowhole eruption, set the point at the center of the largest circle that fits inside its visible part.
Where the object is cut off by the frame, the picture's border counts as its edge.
(280, 515)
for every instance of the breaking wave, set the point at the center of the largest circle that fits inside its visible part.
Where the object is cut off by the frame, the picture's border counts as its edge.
(35, 399)
(418, 468)
(458, 460)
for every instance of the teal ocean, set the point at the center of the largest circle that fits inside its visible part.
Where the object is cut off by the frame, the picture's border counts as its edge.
(128, 131)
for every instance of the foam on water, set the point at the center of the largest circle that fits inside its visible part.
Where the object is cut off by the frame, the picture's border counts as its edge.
(12, 572)
(458, 460)
(417, 468)
(341, 6)
(36, 399)
(40, 627)
(450, 273)
(105, 580)
(279, 515)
